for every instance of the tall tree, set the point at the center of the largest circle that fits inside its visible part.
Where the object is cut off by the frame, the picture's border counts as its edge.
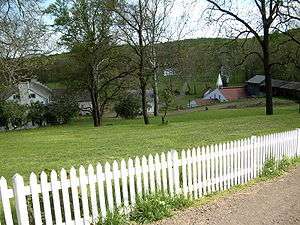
(260, 21)
(87, 29)
(23, 39)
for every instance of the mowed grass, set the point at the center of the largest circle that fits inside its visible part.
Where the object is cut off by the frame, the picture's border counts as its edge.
(79, 143)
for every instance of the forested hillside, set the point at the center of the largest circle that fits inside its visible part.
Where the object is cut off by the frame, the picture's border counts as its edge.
(197, 62)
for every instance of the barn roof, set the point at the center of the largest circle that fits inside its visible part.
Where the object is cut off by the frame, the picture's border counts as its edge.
(233, 93)
(257, 79)
(8, 92)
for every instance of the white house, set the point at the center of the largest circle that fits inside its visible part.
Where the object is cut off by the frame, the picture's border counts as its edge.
(27, 92)
(215, 94)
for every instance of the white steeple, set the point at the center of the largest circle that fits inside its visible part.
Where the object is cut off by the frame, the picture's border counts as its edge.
(219, 81)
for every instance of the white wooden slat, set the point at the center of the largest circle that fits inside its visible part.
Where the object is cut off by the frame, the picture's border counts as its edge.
(208, 168)
(5, 202)
(138, 171)
(65, 194)
(194, 169)
(151, 173)
(231, 152)
(170, 173)
(176, 172)
(20, 200)
(249, 159)
(109, 191)
(235, 162)
(75, 199)
(124, 179)
(101, 193)
(84, 195)
(217, 167)
(157, 172)
(189, 172)
(93, 195)
(225, 167)
(46, 198)
(228, 164)
(184, 173)
(212, 168)
(204, 170)
(145, 173)
(131, 174)
(164, 172)
(55, 188)
(221, 167)
(199, 172)
(116, 178)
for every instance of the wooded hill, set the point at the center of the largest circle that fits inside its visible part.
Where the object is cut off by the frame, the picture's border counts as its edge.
(197, 62)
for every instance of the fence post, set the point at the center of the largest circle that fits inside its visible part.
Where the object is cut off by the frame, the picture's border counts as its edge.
(298, 143)
(20, 198)
(254, 159)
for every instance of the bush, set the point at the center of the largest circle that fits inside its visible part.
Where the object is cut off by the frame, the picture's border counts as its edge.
(156, 207)
(61, 110)
(270, 168)
(13, 113)
(116, 218)
(128, 107)
(37, 113)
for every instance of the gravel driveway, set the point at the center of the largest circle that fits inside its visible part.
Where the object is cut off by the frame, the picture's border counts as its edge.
(271, 202)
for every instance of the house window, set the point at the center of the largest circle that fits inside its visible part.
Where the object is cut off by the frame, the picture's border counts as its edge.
(32, 96)
(16, 96)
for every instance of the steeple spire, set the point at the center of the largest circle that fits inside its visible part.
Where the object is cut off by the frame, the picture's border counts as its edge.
(219, 81)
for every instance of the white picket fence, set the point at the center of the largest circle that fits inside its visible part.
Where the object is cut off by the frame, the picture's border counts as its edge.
(85, 197)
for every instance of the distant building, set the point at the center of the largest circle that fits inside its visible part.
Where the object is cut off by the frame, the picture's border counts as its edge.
(169, 72)
(225, 94)
(256, 87)
(27, 92)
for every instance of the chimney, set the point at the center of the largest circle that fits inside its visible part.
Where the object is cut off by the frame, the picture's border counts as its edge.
(24, 93)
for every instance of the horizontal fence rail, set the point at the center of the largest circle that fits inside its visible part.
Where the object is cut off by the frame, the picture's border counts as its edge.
(85, 196)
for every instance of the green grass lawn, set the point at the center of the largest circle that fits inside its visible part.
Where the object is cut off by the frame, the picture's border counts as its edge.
(80, 143)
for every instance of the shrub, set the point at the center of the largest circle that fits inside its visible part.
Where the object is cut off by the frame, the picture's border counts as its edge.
(284, 164)
(61, 110)
(37, 113)
(270, 168)
(156, 206)
(128, 107)
(116, 218)
(13, 113)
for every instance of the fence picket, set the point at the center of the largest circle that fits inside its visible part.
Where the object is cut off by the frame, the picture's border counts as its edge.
(184, 173)
(204, 171)
(75, 199)
(189, 172)
(131, 173)
(157, 172)
(5, 202)
(164, 172)
(176, 172)
(199, 172)
(124, 178)
(170, 173)
(145, 171)
(138, 172)
(116, 178)
(109, 191)
(151, 173)
(46, 199)
(56, 199)
(92, 183)
(100, 181)
(84, 196)
(20, 199)
(194, 169)
(65, 193)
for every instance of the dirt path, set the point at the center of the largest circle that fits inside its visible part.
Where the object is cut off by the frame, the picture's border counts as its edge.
(272, 202)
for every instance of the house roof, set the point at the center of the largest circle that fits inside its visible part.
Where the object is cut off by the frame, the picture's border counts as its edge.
(233, 93)
(8, 92)
(257, 79)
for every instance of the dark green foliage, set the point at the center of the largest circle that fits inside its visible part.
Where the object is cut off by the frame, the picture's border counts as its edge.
(156, 207)
(61, 110)
(167, 99)
(284, 164)
(270, 168)
(37, 113)
(128, 107)
(12, 113)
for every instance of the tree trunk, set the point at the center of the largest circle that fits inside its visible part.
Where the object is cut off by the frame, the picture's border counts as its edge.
(144, 101)
(268, 76)
(155, 93)
(95, 108)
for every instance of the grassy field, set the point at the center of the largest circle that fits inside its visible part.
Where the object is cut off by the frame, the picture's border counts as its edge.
(80, 143)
